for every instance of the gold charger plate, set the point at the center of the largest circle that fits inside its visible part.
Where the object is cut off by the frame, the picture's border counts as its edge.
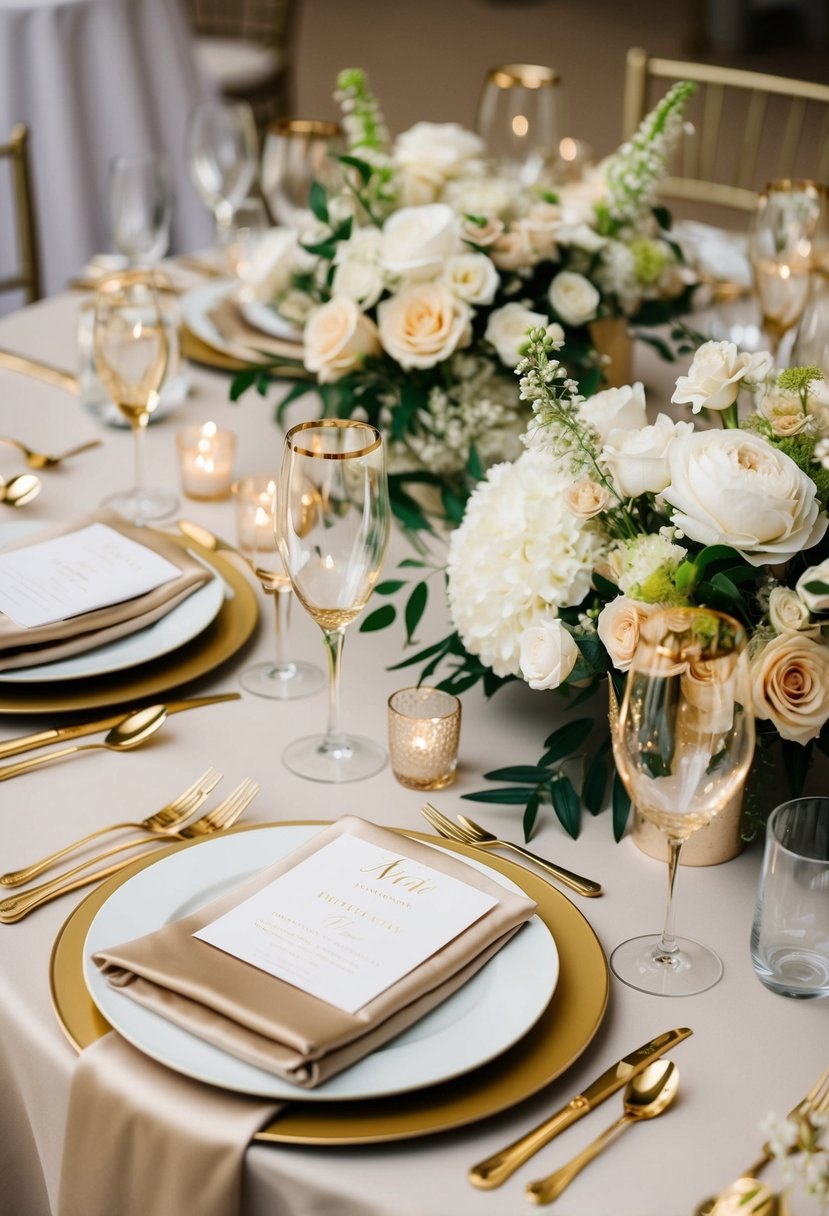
(229, 631)
(192, 347)
(558, 1038)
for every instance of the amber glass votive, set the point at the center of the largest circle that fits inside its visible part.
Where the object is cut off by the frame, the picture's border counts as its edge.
(424, 732)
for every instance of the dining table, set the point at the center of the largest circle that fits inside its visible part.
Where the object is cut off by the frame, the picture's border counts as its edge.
(752, 1051)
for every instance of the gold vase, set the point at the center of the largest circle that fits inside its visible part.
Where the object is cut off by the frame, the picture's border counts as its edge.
(718, 841)
(613, 342)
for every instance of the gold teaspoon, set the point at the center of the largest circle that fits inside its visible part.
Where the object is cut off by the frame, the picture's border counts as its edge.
(130, 732)
(19, 490)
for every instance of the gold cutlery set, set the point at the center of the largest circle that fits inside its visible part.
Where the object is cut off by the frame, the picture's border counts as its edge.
(22, 488)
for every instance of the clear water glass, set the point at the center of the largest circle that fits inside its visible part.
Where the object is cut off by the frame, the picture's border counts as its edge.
(140, 205)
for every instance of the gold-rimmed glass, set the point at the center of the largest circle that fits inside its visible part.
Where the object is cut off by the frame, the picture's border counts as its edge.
(332, 523)
(683, 743)
(518, 119)
(295, 154)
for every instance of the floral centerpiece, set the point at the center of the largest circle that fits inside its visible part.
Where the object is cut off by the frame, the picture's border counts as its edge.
(422, 272)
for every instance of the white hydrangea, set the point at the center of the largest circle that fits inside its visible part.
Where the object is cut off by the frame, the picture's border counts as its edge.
(518, 557)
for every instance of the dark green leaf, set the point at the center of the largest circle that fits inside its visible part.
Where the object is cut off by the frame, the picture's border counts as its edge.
(441, 648)
(533, 803)
(595, 784)
(459, 682)
(453, 505)
(411, 561)
(714, 554)
(389, 587)
(797, 759)
(322, 249)
(242, 381)
(474, 467)
(415, 606)
(297, 391)
(663, 218)
(381, 618)
(621, 807)
(661, 347)
(566, 805)
(363, 168)
(817, 588)
(566, 740)
(318, 201)
(512, 796)
(519, 772)
(604, 586)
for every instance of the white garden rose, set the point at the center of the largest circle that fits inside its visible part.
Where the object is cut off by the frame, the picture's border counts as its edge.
(507, 329)
(360, 281)
(442, 149)
(788, 613)
(716, 376)
(574, 298)
(790, 686)
(416, 241)
(815, 601)
(471, 277)
(614, 409)
(619, 625)
(731, 487)
(337, 338)
(637, 459)
(423, 325)
(548, 654)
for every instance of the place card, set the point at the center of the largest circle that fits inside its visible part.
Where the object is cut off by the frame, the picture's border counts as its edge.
(348, 921)
(92, 568)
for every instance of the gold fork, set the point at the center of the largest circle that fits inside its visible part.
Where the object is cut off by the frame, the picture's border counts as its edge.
(15, 907)
(40, 460)
(159, 824)
(468, 832)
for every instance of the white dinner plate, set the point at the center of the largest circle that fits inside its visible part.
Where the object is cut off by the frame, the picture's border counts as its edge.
(195, 305)
(264, 317)
(180, 625)
(472, 1026)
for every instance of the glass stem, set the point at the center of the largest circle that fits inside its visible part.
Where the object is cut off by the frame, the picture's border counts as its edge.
(282, 607)
(666, 948)
(138, 453)
(334, 740)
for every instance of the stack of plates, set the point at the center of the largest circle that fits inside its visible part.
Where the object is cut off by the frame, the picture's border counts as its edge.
(203, 343)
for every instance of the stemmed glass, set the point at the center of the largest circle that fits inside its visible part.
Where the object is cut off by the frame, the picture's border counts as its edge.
(682, 742)
(221, 152)
(130, 348)
(140, 203)
(296, 153)
(332, 522)
(282, 679)
(780, 244)
(518, 118)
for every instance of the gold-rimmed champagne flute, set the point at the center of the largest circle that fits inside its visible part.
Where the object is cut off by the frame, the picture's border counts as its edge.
(683, 743)
(332, 522)
(518, 119)
(130, 347)
(781, 249)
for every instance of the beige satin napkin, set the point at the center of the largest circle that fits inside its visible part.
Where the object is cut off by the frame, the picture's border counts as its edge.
(247, 342)
(270, 1023)
(144, 1141)
(45, 643)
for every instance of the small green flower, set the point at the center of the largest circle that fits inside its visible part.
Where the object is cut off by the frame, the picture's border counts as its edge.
(798, 379)
(649, 259)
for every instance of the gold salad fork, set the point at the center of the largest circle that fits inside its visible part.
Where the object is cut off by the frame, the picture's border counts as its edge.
(467, 832)
(161, 823)
(40, 460)
(223, 816)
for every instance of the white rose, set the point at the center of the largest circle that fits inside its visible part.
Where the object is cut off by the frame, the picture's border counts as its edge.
(445, 148)
(731, 487)
(416, 241)
(269, 267)
(580, 235)
(716, 376)
(547, 654)
(619, 625)
(637, 459)
(360, 281)
(484, 234)
(614, 409)
(419, 185)
(815, 601)
(507, 329)
(494, 197)
(574, 298)
(790, 686)
(540, 225)
(337, 338)
(788, 613)
(423, 325)
(512, 250)
(471, 277)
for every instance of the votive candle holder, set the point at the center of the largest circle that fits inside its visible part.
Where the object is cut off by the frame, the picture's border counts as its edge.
(206, 454)
(424, 734)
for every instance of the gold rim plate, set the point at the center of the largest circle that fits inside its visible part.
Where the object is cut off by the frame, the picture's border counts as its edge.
(224, 637)
(558, 1038)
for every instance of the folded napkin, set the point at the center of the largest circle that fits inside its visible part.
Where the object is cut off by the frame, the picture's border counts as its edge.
(276, 1026)
(21, 647)
(246, 342)
(719, 256)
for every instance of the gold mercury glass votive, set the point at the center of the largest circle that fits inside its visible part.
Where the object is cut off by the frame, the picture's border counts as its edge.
(424, 732)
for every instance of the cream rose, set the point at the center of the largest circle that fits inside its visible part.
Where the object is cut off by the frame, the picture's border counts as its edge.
(710, 686)
(790, 686)
(574, 298)
(512, 250)
(423, 325)
(337, 338)
(507, 329)
(788, 613)
(471, 277)
(547, 654)
(416, 241)
(619, 625)
(716, 376)
(615, 409)
(637, 459)
(815, 601)
(586, 499)
(443, 149)
(731, 487)
(483, 234)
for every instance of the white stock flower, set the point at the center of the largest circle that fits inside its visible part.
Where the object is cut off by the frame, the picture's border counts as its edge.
(574, 298)
(507, 329)
(815, 601)
(731, 487)
(788, 613)
(716, 376)
(547, 654)
(338, 336)
(614, 409)
(618, 626)
(423, 325)
(471, 277)
(416, 241)
(790, 685)
(516, 559)
(637, 459)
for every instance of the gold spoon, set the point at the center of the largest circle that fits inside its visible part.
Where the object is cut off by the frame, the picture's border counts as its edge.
(19, 490)
(130, 732)
(40, 460)
(647, 1095)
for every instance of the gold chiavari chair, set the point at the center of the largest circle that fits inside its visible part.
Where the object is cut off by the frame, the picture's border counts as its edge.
(742, 128)
(27, 277)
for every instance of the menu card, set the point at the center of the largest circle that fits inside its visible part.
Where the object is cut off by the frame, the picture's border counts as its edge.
(75, 573)
(348, 921)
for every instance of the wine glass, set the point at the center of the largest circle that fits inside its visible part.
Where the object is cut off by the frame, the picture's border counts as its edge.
(221, 151)
(130, 347)
(780, 245)
(683, 743)
(296, 153)
(282, 679)
(140, 204)
(332, 522)
(518, 118)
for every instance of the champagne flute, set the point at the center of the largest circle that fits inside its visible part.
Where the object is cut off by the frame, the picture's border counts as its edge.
(780, 244)
(131, 349)
(683, 743)
(518, 119)
(221, 151)
(140, 203)
(332, 522)
(282, 679)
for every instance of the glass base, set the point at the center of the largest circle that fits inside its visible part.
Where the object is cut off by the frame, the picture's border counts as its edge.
(640, 964)
(286, 683)
(142, 506)
(351, 758)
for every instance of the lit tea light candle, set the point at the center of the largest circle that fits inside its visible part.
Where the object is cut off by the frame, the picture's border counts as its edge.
(424, 732)
(255, 498)
(206, 457)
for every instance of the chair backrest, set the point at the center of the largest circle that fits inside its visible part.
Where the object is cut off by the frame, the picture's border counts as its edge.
(27, 277)
(742, 128)
(267, 21)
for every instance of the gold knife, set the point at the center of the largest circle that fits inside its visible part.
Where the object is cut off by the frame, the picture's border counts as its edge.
(496, 1169)
(41, 371)
(28, 743)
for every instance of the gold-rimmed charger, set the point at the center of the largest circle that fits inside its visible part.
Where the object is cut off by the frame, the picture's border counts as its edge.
(228, 632)
(559, 1037)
